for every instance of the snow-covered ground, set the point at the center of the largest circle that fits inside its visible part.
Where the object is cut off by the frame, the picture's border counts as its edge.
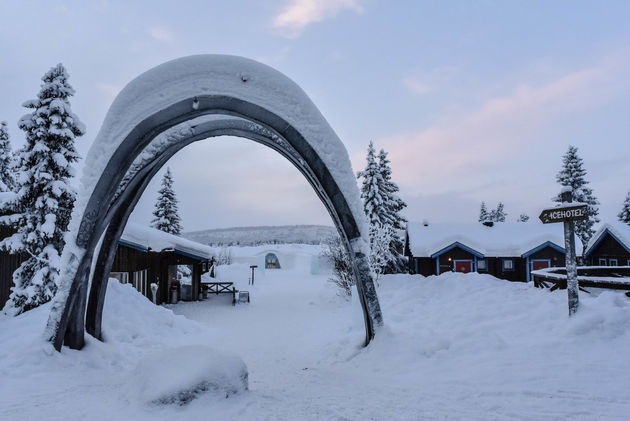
(456, 346)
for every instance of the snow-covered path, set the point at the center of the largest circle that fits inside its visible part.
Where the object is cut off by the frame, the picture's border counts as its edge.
(454, 347)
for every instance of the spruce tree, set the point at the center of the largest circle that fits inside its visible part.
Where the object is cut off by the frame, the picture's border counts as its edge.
(395, 222)
(624, 215)
(483, 213)
(45, 198)
(371, 192)
(166, 212)
(7, 182)
(573, 175)
(499, 214)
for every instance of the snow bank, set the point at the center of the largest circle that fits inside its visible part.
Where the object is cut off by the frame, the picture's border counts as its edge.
(178, 375)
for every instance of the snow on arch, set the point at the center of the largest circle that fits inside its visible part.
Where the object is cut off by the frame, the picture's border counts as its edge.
(169, 93)
(213, 74)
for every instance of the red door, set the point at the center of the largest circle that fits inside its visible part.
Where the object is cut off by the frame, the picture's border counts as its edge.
(540, 264)
(463, 266)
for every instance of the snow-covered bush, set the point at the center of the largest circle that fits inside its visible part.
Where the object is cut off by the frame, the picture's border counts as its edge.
(343, 276)
(179, 375)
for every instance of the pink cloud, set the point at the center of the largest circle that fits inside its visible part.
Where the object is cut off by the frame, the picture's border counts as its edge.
(300, 13)
(458, 145)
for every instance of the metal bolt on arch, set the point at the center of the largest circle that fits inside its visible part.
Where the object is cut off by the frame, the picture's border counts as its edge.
(162, 111)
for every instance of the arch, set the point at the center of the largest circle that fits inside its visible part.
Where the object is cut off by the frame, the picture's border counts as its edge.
(272, 261)
(156, 115)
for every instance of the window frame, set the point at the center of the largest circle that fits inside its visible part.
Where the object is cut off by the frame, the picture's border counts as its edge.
(610, 262)
(485, 264)
(503, 266)
(600, 260)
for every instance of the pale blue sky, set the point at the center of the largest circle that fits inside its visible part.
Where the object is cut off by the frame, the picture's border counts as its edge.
(473, 100)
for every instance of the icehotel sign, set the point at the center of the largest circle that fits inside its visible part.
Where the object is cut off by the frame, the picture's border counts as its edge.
(563, 214)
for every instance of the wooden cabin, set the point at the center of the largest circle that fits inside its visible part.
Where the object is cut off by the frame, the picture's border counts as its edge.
(506, 250)
(146, 255)
(609, 246)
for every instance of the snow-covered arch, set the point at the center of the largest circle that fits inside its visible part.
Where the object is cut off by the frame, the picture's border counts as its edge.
(160, 112)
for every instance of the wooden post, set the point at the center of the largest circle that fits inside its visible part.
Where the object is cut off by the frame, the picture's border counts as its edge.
(253, 267)
(570, 259)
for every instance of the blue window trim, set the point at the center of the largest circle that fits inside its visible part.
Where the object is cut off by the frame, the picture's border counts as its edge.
(613, 260)
(542, 246)
(601, 238)
(484, 270)
(503, 269)
(461, 246)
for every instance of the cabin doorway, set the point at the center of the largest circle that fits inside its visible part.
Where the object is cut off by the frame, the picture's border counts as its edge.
(463, 266)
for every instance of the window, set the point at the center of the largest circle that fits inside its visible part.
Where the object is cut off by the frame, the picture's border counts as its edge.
(602, 261)
(271, 261)
(612, 262)
(482, 265)
(123, 277)
(628, 262)
(140, 281)
(508, 265)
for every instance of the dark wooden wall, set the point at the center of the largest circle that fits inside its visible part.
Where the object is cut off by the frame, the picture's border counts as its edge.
(8, 264)
(608, 248)
(426, 266)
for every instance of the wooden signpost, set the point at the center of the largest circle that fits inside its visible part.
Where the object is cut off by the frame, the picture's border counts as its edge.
(251, 281)
(567, 215)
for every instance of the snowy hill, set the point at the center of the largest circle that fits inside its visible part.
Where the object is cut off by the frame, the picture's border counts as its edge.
(252, 236)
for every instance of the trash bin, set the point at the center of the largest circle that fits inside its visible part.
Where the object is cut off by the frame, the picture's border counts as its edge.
(186, 292)
(174, 294)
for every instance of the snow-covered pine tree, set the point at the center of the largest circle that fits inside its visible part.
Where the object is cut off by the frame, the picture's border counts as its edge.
(624, 215)
(45, 198)
(7, 181)
(573, 175)
(483, 213)
(371, 193)
(394, 221)
(499, 213)
(523, 218)
(166, 212)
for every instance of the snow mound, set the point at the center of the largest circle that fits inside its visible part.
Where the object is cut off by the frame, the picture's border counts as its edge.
(179, 375)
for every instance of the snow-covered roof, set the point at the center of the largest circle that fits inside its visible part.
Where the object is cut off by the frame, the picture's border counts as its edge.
(618, 229)
(150, 238)
(502, 239)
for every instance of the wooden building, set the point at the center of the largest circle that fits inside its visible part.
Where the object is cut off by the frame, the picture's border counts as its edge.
(146, 255)
(609, 246)
(506, 250)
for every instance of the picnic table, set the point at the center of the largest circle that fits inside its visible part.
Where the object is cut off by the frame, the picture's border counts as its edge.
(222, 288)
